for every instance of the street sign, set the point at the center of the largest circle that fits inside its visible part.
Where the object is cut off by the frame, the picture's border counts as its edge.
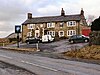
(17, 29)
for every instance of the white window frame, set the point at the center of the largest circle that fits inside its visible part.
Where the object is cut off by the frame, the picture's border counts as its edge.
(29, 34)
(71, 23)
(71, 32)
(50, 25)
(30, 26)
(60, 33)
(52, 33)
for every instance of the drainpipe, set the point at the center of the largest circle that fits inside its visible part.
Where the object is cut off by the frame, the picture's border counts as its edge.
(43, 31)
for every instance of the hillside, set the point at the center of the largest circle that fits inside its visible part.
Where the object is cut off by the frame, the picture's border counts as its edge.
(13, 35)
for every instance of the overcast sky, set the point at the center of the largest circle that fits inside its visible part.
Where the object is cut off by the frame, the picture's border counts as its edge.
(13, 12)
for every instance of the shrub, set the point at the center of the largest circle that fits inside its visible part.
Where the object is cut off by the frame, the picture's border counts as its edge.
(13, 39)
(94, 38)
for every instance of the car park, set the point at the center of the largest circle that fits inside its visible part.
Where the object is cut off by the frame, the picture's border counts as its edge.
(43, 39)
(78, 39)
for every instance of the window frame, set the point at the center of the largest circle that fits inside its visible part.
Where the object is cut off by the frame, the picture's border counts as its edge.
(71, 32)
(30, 26)
(29, 34)
(71, 23)
(60, 34)
(50, 25)
(52, 33)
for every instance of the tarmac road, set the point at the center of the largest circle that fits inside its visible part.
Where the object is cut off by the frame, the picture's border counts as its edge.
(49, 66)
(8, 69)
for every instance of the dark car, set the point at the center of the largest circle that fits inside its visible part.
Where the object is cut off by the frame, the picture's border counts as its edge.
(78, 39)
(33, 40)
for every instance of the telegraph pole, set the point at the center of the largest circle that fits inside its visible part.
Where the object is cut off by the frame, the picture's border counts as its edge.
(18, 40)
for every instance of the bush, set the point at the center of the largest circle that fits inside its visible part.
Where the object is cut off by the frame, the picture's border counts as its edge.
(94, 38)
(96, 25)
(13, 39)
(87, 52)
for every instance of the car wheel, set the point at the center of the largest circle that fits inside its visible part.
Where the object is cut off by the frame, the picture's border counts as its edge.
(85, 40)
(71, 41)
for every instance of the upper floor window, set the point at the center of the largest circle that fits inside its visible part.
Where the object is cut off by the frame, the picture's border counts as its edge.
(41, 25)
(61, 24)
(50, 25)
(31, 26)
(71, 23)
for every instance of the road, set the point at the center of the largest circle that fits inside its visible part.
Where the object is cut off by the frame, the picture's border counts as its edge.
(49, 66)
(8, 69)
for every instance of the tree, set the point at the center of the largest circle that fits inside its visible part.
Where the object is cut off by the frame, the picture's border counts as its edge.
(90, 18)
(96, 25)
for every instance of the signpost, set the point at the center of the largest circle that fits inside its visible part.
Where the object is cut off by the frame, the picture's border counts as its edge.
(18, 30)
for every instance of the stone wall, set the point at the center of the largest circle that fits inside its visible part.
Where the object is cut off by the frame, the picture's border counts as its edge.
(95, 38)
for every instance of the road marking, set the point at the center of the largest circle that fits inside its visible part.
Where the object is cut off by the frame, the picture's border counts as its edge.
(6, 56)
(39, 65)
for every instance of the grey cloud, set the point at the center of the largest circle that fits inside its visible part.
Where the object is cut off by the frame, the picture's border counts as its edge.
(11, 13)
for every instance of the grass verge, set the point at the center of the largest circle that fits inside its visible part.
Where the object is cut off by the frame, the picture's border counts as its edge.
(87, 52)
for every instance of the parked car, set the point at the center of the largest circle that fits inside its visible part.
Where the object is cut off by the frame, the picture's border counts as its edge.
(78, 39)
(33, 40)
(47, 38)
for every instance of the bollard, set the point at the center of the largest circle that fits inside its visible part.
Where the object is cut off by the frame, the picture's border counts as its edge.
(37, 46)
(3, 44)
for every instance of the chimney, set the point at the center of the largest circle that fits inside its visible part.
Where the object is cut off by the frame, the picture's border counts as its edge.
(62, 12)
(82, 12)
(29, 16)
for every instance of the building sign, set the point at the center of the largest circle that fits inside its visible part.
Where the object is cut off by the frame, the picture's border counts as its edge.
(17, 29)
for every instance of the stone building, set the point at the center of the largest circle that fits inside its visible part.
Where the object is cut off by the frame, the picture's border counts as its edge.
(57, 26)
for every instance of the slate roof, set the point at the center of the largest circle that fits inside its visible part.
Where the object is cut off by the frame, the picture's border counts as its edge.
(53, 19)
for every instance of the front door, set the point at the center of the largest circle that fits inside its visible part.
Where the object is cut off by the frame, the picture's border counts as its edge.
(37, 33)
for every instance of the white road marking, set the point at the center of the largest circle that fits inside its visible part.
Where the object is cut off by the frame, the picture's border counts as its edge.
(6, 56)
(39, 65)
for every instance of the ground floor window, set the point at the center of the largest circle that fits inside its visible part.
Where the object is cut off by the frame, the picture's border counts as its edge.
(61, 33)
(29, 34)
(71, 32)
(52, 33)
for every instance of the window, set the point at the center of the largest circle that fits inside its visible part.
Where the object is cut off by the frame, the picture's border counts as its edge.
(71, 32)
(41, 25)
(50, 25)
(61, 24)
(71, 23)
(52, 33)
(79, 36)
(61, 33)
(53, 24)
(31, 26)
(29, 34)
